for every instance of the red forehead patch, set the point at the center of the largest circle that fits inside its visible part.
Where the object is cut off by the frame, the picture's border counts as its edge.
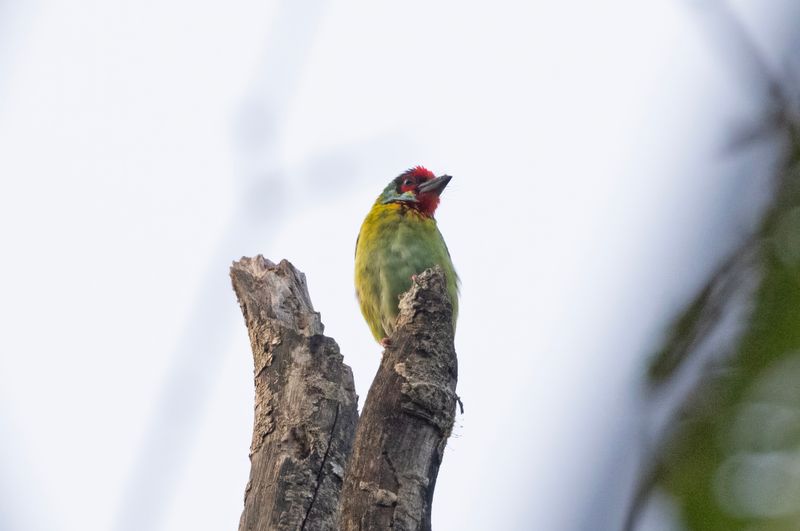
(421, 171)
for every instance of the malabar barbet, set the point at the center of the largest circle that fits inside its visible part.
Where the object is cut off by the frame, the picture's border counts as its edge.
(398, 240)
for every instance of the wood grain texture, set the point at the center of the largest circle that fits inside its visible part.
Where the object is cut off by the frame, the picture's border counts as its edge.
(407, 417)
(305, 403)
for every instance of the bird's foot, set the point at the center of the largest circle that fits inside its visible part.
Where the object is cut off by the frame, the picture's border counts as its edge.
(386, 342)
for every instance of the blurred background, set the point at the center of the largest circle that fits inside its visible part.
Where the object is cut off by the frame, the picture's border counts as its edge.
(624, 216)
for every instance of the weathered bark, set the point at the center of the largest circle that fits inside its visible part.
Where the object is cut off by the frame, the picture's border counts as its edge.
(305, 410)
(407, 417)
(305, 407)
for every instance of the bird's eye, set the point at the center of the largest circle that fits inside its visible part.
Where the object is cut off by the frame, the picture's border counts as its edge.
(408, 182)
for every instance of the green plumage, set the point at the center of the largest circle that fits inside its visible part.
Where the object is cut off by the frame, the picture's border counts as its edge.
(397, 240)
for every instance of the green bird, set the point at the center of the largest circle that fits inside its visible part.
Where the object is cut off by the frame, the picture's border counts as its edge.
(399, 239)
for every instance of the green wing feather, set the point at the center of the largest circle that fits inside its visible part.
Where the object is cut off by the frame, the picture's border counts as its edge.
(395, 243)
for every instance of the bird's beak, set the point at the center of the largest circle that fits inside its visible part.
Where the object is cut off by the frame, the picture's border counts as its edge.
(435, 185)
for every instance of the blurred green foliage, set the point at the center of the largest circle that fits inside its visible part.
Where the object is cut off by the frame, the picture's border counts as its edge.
(730, 456)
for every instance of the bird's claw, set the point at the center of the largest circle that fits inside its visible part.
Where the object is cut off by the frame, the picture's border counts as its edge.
(386, 342)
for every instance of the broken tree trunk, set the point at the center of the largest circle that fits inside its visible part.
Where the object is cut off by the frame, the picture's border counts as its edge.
(407, 418)
(305, 405)
(305, 411)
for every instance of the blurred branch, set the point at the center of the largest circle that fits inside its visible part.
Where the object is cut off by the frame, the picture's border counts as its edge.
(718, 362)
(731, 37)
(181, 401)
(705, 312)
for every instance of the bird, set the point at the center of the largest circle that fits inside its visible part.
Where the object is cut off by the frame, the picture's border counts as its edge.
(399, 239)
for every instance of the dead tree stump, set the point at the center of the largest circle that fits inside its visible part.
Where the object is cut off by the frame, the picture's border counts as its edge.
(305, 405)
(407, 418)
(306, 425)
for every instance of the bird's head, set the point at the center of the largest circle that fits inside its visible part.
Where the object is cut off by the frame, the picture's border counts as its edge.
(418, 187)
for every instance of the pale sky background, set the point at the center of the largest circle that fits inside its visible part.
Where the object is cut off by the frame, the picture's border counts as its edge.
(144, 146)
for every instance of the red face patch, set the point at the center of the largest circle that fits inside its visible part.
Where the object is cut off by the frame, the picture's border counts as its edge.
(410, 181)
